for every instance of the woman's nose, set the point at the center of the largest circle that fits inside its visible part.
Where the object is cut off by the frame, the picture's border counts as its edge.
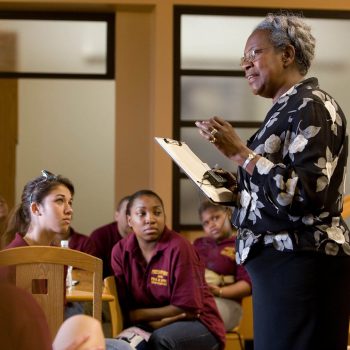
(211, 224)
(150, 217)
(245, 64)
(68, 208)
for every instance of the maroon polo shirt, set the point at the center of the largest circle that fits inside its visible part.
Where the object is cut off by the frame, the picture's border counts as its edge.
(78, 241)
(18, 241)
(174, 275)
(104, 239)
(23, 325)
(220, 257)
(9, 273)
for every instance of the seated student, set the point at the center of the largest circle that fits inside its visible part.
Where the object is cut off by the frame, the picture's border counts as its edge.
(160, 282)
(45, 211)
(44, 216)
(227, 281)
(79, 241)
(23, 326)
(105, 237)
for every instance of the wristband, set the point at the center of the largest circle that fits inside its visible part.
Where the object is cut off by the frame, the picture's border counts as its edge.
(250, 157)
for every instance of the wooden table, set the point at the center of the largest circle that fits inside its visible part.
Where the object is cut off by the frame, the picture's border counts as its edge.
(83, 290)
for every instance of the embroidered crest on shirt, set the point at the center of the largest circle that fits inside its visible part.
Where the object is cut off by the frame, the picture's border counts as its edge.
(159, 277)
(229, 252)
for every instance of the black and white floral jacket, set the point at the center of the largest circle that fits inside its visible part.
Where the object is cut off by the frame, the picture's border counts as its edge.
(294, 198)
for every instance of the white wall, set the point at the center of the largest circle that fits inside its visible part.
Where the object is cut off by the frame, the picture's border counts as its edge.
(67, 127)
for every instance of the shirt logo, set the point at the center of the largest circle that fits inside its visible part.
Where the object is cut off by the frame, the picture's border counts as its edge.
(159, 277)
(229, 252)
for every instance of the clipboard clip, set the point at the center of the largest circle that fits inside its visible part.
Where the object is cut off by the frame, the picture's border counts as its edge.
(173, 142)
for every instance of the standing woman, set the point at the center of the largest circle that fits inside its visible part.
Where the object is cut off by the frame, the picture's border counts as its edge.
(160, 282)
(291, 236)
(45, 212)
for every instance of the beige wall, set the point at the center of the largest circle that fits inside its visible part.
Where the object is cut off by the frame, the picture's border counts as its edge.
(144, 80)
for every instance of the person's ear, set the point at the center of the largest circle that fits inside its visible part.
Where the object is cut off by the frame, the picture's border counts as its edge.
(229, 213)
(128, 217)
(288, 55)
(35, 209)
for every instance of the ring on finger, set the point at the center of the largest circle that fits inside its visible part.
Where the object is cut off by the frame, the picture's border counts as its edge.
(213, 132)
(212, 140)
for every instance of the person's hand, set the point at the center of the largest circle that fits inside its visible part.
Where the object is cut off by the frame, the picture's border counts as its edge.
(215, 290)
(78, 342)
(221, 134)
(167, 320)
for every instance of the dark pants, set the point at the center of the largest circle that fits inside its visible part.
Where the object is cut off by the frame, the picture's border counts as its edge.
(183, 335)
(301, 301)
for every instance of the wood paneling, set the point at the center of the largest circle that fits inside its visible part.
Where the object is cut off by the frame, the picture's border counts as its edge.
(8, 138)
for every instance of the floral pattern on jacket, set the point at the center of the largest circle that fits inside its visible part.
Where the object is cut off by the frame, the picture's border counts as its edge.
(293, 200)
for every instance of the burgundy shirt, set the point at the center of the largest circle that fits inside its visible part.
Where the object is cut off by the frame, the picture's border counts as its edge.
(78, 241)
(18, 241)
(23, 325)
(220, 257)
(104, 239)
(174, 275)
(8, 273)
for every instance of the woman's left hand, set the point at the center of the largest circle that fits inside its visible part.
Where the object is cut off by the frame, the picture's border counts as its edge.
(221, 133)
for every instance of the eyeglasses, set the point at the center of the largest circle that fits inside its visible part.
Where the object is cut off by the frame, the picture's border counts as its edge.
(252, 56)
(47, 176)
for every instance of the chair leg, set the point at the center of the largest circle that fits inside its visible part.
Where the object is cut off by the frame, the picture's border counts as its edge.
(240, 340)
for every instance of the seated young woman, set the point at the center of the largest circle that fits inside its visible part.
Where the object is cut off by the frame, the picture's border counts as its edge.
(227, 281)
(43, 218)
(160, 282)
(45, 212)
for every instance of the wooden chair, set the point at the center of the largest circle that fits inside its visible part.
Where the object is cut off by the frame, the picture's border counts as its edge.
(114, 308)
(346, 207)
(236, 338)
(43, 264)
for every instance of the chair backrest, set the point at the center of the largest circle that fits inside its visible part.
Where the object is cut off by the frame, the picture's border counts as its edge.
(246, 324)
(114, 307)
(33, 264)
(346, 207)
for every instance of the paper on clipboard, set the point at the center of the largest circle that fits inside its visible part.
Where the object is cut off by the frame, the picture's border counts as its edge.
(194, 168)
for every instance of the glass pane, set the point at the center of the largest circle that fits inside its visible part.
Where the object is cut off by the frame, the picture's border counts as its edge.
(190, 198)
(208, 152)
(54, 46)
(229, 97)
(214, 42)
(332, 59)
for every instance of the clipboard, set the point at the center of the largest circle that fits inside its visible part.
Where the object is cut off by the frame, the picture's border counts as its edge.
(195, 169)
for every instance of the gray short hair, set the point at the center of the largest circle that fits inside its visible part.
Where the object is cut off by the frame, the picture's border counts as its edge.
(289, 28)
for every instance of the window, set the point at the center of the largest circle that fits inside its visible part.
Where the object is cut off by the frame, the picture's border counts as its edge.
(208, 44)
(56, 45)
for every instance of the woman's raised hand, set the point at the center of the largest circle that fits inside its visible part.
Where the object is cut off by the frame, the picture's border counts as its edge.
(221, 134)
